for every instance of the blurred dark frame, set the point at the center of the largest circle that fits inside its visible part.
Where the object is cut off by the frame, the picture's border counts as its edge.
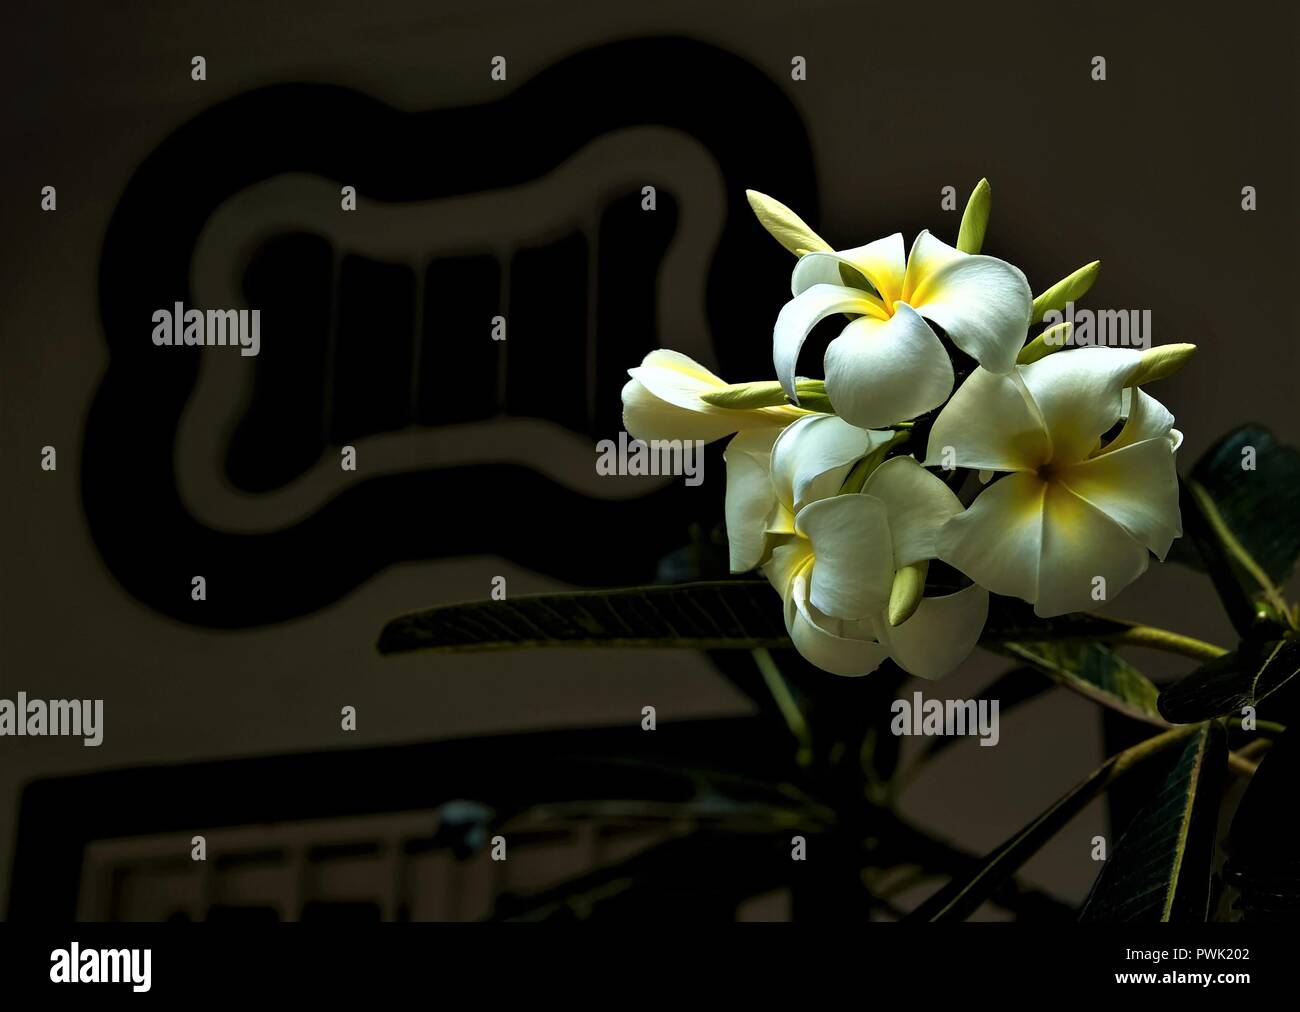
(60, 817)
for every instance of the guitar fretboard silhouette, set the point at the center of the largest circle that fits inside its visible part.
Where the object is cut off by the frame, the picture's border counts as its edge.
(364, 346)
(367, 344)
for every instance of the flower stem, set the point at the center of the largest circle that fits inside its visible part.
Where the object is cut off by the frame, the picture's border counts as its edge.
(1164, 639)
(785, 702)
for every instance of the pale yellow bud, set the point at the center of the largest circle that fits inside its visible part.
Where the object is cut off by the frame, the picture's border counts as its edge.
(1157, 363)
(785, 226)
(905, 596)
(1069, 289)
(1050, 340)
(975, 219)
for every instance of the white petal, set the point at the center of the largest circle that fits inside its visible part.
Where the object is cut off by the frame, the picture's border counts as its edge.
(812, 457)
(854, 568)
(1079, 394)
(940, 635)
(917, 505)
(751, 499)
(1145, 418)
(983, 303)
(782, 521)
(787, 561)
(647, 417)
(662, 401)
(798, 317)
(1081, 545)
(998, 539)
(988, 424)
(676, 378)
(880, 262)
(927, 256)
(881, 372)
(820, 640)
(1136, 486)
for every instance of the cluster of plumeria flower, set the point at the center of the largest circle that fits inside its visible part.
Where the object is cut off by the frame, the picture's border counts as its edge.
(828, 495)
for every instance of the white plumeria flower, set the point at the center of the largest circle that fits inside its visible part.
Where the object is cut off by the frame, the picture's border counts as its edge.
(662, 400)
(888, 365)
(772, 473)
(836, 570)
(1074, 516)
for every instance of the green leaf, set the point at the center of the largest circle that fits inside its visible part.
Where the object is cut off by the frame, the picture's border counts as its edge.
(963, 896)
(1239, 507)
(1093, 670)
(1160, 870)
(1263, 863)
(741, 614)
(1245, 677)
(1204, 531)
(1260, 506)
(722, 614)
(1069, 289)
(975, 219)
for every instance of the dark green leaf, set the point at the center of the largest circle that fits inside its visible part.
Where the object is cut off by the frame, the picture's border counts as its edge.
(1160, 870)
(1263, 861)
(723, 614)
(962, 897)
(1065, 650)
(1239, 507)
(902, 845)
(1252, 603)
(1093, 670)
(1224, 686)
(1260, 506)
(742, 614)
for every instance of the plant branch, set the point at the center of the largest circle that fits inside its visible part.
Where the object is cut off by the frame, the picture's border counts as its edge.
(961, 898)
(1161, 639)
(785, 702)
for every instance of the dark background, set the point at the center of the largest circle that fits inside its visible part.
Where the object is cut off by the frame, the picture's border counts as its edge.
(476, 460)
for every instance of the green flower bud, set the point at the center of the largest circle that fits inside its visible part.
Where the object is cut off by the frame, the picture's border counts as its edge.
(1069, 289)
(975, 219)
